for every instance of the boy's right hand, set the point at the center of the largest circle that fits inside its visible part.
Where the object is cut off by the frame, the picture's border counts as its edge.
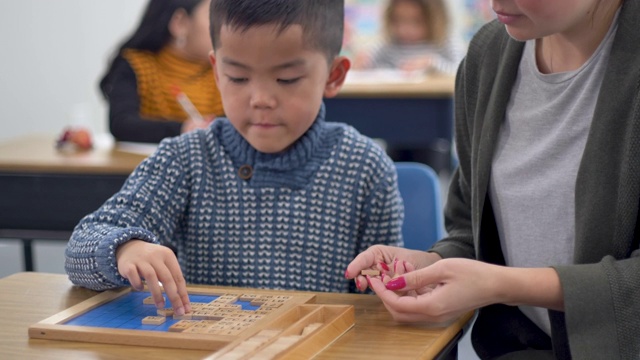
(139, 260)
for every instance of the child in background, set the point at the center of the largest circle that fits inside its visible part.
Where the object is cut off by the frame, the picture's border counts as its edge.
(417, 37)
(169, 49)
(274, 196)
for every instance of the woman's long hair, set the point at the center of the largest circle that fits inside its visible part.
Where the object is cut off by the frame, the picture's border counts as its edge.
(152, 34)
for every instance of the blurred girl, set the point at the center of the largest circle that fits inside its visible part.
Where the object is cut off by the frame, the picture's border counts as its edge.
(417, 36)
(168, 51)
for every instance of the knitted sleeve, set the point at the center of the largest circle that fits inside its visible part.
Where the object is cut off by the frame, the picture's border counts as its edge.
(149, 207)
(125, 122)
(383, 210)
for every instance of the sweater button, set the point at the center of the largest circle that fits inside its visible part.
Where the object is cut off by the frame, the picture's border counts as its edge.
(245, 172)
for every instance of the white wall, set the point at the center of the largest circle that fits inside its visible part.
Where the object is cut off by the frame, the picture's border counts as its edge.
(52, 56)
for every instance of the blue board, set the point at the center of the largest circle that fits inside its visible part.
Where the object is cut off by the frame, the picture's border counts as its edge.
(127, 312)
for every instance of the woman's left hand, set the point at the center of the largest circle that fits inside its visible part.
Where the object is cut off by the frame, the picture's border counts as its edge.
(439, 292)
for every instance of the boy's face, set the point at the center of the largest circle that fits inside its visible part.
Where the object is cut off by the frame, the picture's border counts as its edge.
(272, 84)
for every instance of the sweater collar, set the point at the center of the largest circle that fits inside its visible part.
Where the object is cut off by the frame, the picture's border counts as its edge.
(296, 162)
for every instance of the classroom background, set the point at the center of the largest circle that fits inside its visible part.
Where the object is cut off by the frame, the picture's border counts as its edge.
(55, 52)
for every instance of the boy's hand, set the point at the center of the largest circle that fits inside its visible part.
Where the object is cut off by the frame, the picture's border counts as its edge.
(139, 260)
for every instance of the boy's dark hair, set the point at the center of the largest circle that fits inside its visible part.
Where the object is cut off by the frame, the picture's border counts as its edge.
(322, 21)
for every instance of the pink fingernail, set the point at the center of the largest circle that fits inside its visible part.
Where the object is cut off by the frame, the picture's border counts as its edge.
(346, 274)
(404, 265)
(384, 266)
(179, 311)
(396, 284)
(395, 265)
(358, 285)
(368, 280)
(382, 277)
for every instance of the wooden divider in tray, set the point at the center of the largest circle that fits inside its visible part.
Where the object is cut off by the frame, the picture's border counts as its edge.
(300, 333)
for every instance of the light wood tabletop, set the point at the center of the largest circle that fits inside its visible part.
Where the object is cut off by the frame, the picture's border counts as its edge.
(37, 153)
(27, 298)
(431, 86)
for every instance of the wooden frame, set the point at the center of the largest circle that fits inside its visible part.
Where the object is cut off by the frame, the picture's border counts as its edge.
(296, 314)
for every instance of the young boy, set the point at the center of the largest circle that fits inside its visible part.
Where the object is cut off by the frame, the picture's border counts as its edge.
(273, 196)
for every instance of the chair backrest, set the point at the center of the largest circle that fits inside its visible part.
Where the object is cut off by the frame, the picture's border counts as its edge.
(423, 218)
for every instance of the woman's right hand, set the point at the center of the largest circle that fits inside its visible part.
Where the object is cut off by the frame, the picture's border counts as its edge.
(140, 262)
(389, 260)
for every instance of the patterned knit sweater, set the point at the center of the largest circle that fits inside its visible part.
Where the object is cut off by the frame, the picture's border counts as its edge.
(295, 223)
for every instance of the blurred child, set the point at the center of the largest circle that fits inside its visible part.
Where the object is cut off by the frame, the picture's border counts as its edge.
(417, 36)
(274, 196)
(168, 50)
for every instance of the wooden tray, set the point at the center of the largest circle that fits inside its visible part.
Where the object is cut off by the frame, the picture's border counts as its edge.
(267, 315)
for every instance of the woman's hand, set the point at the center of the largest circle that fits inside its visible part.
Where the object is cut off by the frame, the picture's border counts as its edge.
(390, 260)
(140, 261)
(452, 287)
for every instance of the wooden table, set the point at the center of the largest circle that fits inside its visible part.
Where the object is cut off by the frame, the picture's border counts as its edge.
(416, 116)
(46, 192)
(27, 298)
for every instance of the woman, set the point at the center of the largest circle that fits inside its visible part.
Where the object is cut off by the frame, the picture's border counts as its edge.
(545, 200)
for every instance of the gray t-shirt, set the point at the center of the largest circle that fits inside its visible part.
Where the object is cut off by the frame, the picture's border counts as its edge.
(536, 162)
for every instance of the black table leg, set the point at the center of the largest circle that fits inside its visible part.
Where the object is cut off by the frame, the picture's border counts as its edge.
(27, 251)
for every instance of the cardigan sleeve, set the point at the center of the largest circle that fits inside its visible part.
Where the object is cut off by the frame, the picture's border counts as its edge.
(457, 213)
(125, 122)
(149, 207)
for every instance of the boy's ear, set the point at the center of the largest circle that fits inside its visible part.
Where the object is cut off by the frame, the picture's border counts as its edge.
(212, 60)
(337, 75)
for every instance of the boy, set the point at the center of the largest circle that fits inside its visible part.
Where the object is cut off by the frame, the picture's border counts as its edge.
(272, 196)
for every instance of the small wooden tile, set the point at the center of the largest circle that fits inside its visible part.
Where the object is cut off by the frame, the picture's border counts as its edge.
(182, 317)
(165, 312)
(148, 300)
(310, 328)
(370, 272)
(154, 320)
(182, 325)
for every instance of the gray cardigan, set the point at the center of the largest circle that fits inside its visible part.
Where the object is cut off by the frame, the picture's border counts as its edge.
(602, 290)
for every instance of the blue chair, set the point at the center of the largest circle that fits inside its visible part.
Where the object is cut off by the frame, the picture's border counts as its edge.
(420, 191)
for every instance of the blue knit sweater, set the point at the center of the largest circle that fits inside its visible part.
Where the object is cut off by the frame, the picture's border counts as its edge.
(296, 223)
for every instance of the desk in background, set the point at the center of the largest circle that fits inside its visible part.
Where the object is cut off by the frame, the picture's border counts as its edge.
(28, 298)
(414, 119)
(45, 193)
